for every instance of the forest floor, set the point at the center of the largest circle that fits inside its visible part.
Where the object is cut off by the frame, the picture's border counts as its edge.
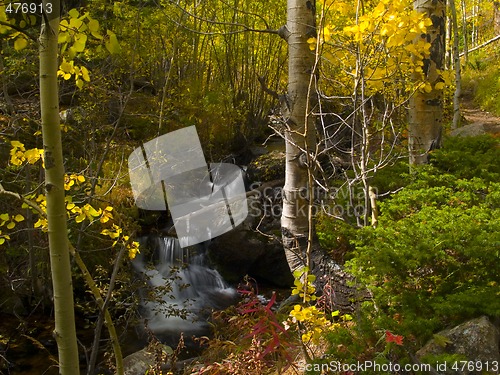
(473, 114)
(476, 121)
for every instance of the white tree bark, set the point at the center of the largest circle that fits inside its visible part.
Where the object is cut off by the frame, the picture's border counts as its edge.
(426, 109)
(300, 133)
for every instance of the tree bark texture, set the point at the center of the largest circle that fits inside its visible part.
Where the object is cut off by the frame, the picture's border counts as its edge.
(426, 108)
(301, 248)
(456, 63)
(300, 133)
(496, 17)
(65, 331)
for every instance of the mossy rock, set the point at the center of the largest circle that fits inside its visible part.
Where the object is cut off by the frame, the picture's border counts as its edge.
(268, 167)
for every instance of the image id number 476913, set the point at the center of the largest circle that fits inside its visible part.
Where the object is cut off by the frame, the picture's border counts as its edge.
(28, 7)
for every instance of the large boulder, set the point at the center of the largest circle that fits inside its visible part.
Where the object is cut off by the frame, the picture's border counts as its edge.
(475, 341)
(254, 247)
(475, 129)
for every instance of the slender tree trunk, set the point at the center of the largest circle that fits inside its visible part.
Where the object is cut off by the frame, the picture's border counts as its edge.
(456, 63)
(300, 135)
(65, 331)
(426, 109)
(464, 32)
(496, 17)
(8, 101)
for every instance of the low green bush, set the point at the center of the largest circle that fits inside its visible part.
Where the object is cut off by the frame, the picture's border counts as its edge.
(434, 259)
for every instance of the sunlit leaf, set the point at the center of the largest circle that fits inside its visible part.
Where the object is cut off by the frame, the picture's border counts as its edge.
(20, 43)
(112, 44)
(19, 218)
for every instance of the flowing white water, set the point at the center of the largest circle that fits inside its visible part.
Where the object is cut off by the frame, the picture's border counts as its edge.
(185, 290)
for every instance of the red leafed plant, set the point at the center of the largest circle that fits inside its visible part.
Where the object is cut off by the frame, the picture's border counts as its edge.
(397, 339)
(249, 339)
(267, 328)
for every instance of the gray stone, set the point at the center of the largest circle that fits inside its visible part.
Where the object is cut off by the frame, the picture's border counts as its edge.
(476, 340)
(268, 167)
(475, 129)
(139, 362)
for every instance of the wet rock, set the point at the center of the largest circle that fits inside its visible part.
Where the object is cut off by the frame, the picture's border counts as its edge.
(476, 340)
(253, 247)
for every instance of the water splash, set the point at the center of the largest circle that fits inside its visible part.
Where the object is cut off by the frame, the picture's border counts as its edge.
(184, 289)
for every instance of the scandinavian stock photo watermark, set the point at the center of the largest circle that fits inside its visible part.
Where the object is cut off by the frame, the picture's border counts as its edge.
(374, 367)
(207, 200)
(268, 202)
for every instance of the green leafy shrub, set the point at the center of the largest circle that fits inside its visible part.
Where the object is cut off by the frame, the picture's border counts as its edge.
(433, 259)
(469, 157)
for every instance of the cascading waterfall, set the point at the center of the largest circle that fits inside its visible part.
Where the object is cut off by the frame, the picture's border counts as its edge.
(185, 289)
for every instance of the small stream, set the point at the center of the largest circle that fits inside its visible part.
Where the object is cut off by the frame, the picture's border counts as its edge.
(182, 290)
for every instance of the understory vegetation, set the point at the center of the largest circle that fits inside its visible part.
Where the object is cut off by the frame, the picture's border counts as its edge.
(422, 273)
(419, 244)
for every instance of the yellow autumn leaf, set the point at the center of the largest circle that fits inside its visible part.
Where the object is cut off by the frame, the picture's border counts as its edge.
(67, 67)
(73, 13)
(17, 144)
(85, 75)
(80, 218)
(93, 25)
(19, 218)
(11, 225)
(439, 86)
(33, 155)
(91, 210)
(20, 43)
(112, 44)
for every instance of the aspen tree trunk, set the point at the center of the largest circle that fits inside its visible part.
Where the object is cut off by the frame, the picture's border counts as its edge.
(300, 133)
(496, 17)
(65, 331)
(426, 109)
(464, 32)
(456, 62)
(297, 229)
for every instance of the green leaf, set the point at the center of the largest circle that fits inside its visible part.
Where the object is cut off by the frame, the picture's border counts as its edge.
(79, 46)
(441, 340)
(63, 37)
